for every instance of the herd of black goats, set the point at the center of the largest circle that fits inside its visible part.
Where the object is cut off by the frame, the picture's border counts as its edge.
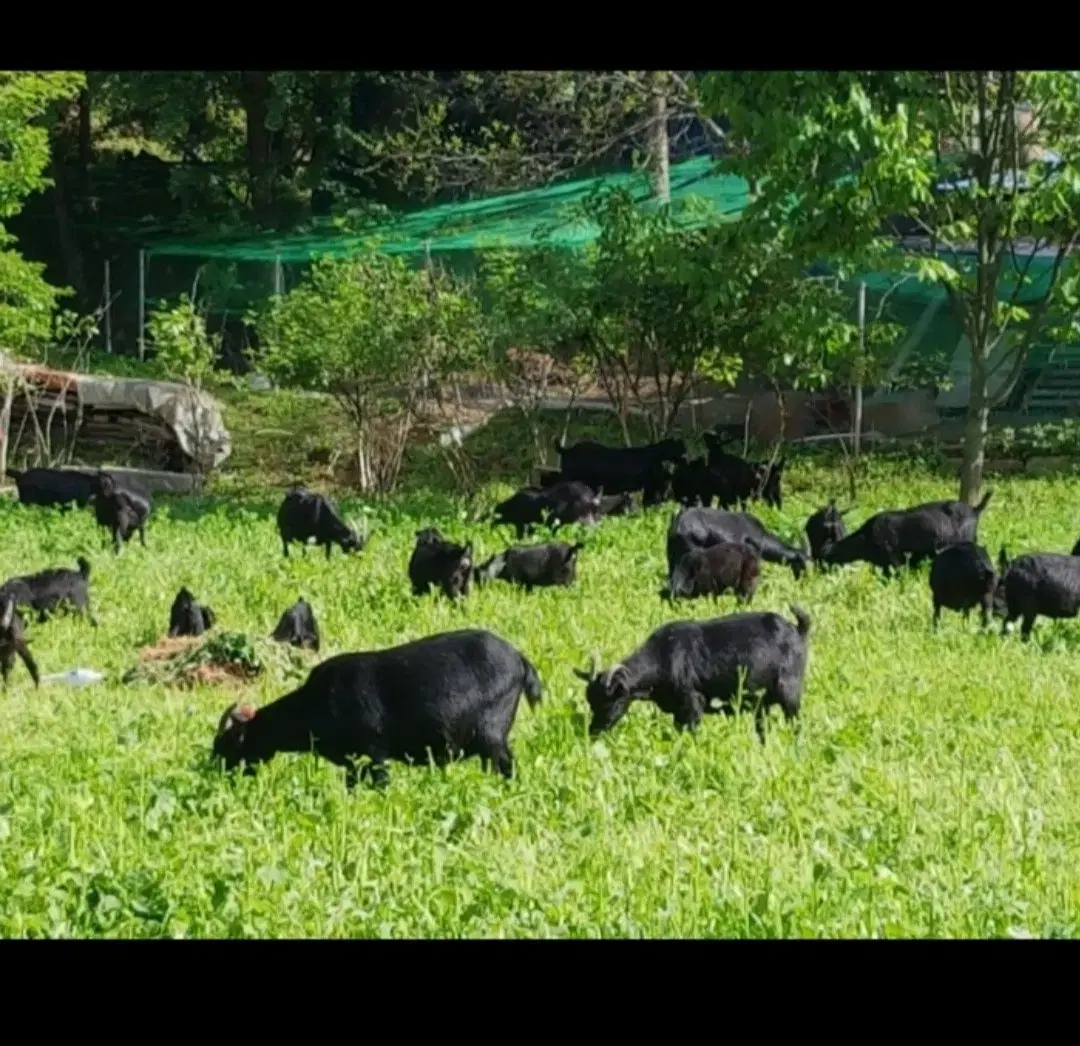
(456, 694)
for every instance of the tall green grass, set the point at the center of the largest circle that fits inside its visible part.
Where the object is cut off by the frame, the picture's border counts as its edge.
(933, 790)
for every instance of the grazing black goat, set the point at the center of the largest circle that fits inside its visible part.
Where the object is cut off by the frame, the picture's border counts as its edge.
(53, 486)
(571, 501)
(1045, 584)
(622, 470)
(297, 627)
(438, 563)
(702, 527)
(889, 539)
(716, 569)
(187, 617)
(824, 528)
(523, 510)
(692, 483)
(686, 666)
(962, 577)
(533, 566)
(446, 696)
(549, 477)
(120, 511)
(47, 590)
(307, 516)
(13, 641)
(733, 480)
(770, 477)
(616, 505)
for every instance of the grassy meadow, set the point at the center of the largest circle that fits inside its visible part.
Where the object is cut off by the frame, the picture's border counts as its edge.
(932, 792)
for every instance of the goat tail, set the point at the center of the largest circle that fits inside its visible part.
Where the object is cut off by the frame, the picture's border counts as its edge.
(802, 618)
(560, 446)
(84, 566)
(533, 690)
(982, 504)
(16, 474)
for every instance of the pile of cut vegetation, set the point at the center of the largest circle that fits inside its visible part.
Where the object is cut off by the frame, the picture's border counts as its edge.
(232, 658)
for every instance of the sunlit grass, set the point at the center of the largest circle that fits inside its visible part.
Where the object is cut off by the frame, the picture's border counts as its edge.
(933, 790)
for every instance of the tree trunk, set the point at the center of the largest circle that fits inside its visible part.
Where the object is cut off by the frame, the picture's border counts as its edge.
(67, 241)
(978, 417)
(256, 89)
(5, 423)
(65, 162)
(324, 111)
(86, 148)
(659, 158)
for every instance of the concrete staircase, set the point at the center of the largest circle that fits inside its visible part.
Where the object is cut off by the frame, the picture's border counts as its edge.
(1057, 389)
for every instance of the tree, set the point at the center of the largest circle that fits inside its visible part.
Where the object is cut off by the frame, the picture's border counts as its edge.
(27, 303)
(533, 318)
(371, 332)
(186, 352)
(475, 132)
(834, 156)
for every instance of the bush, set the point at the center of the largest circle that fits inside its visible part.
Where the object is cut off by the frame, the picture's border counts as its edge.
(380, 337)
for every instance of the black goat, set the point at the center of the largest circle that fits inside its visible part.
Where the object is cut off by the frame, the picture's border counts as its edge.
(523, 510)
(447, 696)
(702, 527)
(548, 478)
(622, 470)
(297, 627)
(770, 477)
(692, 483)
(962, 576)
(305, 516)
(46, 590)
(725, 566)
(824, 528)
(187, 617)
(120, 511)
(686, 666)
(53, 486)
(888, 539)
(733, 480)
(571, 501)
(438, 563)
(533, 566)
(65, 487)
(616, 505)
(657, 485)
(13, 641)
(1043, 584)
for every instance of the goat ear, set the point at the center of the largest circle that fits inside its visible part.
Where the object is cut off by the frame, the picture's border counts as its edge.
(613, 679)
(236, 715)
(583, 675)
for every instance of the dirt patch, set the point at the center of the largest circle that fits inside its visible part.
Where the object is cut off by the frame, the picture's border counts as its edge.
(225, 659)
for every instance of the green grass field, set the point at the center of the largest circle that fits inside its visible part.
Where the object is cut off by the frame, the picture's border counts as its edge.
(932, 791)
